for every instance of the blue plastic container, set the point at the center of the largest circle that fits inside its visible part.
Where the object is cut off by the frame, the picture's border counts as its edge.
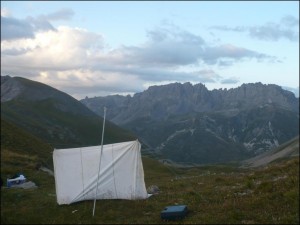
(174, 212)
(16, 180)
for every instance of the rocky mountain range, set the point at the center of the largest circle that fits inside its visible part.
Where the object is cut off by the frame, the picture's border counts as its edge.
(190, 124)
(183, 123)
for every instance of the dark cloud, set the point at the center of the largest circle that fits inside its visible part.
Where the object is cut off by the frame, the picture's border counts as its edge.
(226, 28)
(214, 55)
(40, 24)
(225, 63)
(165, 47)
(12, 28)
(273, 32)
(63, 14)
(175, 47)
(207, 76)
(15, 51)
(286, 28)
(290, 21)
(167, 54)
(231, 80)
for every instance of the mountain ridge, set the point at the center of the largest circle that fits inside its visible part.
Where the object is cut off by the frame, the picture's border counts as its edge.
(186, 122)
(183, 98)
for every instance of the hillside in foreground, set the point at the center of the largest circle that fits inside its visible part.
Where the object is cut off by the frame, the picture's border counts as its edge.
(215, 194)
(54, 116)
(16, 142)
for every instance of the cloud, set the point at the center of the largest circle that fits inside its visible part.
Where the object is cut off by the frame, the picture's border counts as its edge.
(273, 32)
(12, 28)
(213, 55)
(63, 49)
(286, 28)
(77, 61)
(62, 14)
(171, 47)
(86, 82)
(230, 80)
(226, 28)
(166, 46)
(208, 76)
(40, 23)
(155, 75)
(5, 12)
(290, 21)
(14, 51)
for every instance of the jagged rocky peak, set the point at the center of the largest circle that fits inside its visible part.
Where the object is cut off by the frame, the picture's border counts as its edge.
(254, 89)
(172, 90)
(258, 94)
(176, 98)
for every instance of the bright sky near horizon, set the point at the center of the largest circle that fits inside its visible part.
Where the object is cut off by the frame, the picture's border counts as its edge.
(98, 48)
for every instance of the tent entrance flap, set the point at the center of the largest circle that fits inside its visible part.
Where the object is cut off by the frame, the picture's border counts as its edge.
(121, 175)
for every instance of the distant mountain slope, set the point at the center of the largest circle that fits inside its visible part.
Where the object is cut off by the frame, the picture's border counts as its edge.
(188, 123)
(286, 150)
(54, 116)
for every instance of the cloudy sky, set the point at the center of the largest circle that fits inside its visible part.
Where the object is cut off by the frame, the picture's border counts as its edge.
(100, 48)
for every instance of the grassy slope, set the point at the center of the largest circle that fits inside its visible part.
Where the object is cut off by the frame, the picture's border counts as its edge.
(15, 140)
(214, 194)
(61, 129)
(56, 117)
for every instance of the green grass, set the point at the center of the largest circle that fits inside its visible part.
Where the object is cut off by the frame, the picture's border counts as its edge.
(214, 194)
(59, 128)
(267, 195)
(19, 141)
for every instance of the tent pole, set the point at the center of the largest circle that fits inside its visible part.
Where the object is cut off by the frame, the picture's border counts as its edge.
(100, 160)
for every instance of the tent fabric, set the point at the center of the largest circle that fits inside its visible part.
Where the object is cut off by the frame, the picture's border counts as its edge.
(121, 173)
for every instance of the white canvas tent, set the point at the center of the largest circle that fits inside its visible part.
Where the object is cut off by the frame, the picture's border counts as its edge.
(121, 174)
